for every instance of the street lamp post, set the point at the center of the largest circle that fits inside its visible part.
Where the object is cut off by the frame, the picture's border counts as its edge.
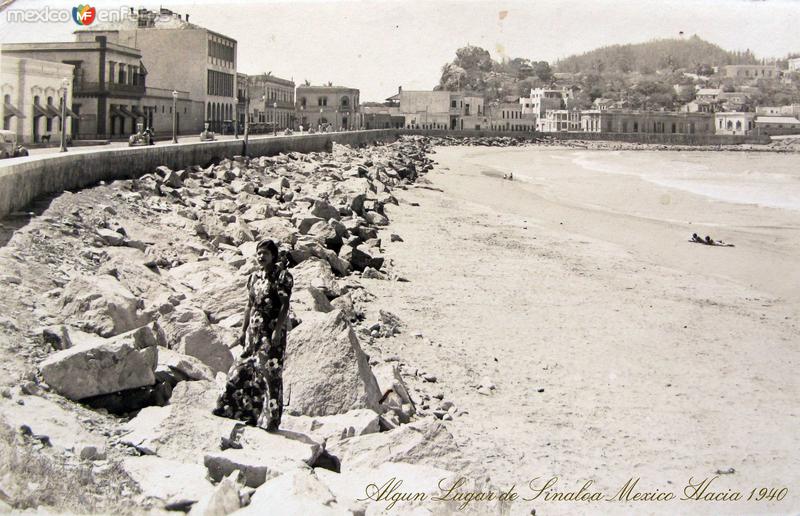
(246, 119)
(236, 120)
(274, 119)
(174, 116)
(64, 86)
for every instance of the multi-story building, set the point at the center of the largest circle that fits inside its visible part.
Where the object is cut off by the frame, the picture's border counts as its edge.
(653, 122)
(32, 93)
(271, 100)
(559, 120)
(793, 65)
(331, 106)
(509, 116)
(180, 56)
(454, 110)
(541, 100)
(105, 77)
(762, 71)
(792, 110)
(734, 122)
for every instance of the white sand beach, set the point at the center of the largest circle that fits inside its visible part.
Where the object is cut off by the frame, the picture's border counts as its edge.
(618, 349)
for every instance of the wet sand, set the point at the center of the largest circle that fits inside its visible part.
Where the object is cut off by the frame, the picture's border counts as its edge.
(619, 350)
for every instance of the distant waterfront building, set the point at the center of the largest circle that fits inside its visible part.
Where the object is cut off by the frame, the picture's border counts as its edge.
(31, 90)
(271, 100)
(453, 110)
(386, 116)
(646, 122)
(181, 56)
(559, 121)
(777, 125)
(541, 100)
(794, 65)
(509, 116)
(762, 71)
(322, 105)
(734, 123)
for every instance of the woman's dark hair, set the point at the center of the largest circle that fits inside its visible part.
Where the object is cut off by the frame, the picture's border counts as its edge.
(271, 246)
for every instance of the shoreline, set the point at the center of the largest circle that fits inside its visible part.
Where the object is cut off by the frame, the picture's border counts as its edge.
(790, 144)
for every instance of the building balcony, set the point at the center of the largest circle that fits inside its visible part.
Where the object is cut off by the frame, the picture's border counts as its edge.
(87, 88)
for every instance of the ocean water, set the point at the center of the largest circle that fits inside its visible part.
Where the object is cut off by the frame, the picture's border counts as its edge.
(765, 179)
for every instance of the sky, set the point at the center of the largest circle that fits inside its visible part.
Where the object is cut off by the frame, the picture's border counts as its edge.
(378, 45)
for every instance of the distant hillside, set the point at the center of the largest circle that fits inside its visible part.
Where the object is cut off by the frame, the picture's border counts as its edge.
(691, 53)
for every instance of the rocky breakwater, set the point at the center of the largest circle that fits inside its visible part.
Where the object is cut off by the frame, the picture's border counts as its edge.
(481, 141)
(139, 291)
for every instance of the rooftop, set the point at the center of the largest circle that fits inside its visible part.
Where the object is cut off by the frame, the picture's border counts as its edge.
(777, 120)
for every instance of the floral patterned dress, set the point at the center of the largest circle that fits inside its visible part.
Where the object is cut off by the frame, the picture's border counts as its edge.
(254, 391)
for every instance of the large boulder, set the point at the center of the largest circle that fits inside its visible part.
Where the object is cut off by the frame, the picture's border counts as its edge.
(223, 501)
(184, 430)
(309, 299)
(97, 367)
(208, 345)
(190, 367)
(326, 371)
(294, 492)
(276, 228)
(101, 304)
(214, 287)
(170, 481)
(324, 210)
(47, 420)
(424, 442)
(316, 273)
(261, 455)
(189, 332)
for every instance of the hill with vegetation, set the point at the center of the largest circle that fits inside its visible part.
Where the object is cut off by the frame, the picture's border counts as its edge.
(659, 74)
(693, 54)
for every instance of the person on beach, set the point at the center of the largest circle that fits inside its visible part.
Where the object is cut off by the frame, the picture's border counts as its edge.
(708, 241)
(254, 391)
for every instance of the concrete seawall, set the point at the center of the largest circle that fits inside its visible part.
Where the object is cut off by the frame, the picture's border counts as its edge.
(23, 182)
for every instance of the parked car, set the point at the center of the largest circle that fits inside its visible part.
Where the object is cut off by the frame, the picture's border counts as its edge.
(9, 148)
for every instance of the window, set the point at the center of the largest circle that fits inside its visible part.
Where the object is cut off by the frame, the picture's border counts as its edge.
(322, 101)
(453, 104)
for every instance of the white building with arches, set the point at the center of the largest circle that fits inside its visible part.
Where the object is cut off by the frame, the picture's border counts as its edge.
(734, 122)
(32, 92)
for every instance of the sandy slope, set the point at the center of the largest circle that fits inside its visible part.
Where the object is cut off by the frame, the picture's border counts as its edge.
(655, 358)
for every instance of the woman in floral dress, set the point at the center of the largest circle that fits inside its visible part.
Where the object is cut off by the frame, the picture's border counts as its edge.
(254, 391)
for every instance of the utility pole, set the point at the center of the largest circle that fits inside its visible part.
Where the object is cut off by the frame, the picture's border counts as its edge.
(64, 86)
